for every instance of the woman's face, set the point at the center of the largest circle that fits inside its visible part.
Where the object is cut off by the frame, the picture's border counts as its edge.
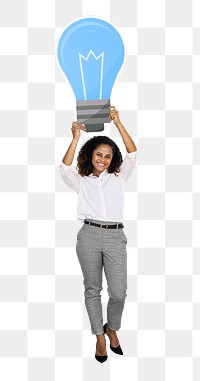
(101, 158)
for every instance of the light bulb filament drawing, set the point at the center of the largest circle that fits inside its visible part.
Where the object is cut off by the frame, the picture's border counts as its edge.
(95, 73)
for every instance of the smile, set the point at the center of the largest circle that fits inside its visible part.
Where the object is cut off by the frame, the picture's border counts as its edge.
(101, 165)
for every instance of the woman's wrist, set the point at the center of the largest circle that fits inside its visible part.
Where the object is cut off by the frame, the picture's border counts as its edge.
(119, 124)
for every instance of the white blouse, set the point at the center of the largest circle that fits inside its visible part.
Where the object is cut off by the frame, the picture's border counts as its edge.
(100, 198)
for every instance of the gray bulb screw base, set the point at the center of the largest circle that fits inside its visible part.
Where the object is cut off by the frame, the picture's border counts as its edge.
(93, 113)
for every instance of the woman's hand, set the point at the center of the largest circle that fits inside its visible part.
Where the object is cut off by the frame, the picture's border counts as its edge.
(114, 115)
(76, 129)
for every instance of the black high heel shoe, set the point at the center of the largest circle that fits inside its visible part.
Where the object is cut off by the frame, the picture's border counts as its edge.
(100, 358)
(118, 349)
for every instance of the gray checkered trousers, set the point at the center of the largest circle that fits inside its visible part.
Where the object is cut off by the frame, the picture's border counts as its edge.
(99, 248)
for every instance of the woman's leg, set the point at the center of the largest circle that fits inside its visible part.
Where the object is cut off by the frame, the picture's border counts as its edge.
(115, 266)
(89, 254)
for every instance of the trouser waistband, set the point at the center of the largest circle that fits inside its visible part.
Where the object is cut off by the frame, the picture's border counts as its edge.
(114, 225)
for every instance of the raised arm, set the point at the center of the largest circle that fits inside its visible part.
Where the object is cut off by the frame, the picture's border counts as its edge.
(68, 172)
(69, 156)
(129, 143)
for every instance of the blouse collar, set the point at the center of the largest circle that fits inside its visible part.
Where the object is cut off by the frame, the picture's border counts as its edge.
(100, 176)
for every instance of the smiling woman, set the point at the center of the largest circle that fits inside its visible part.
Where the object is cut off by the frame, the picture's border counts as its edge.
(98, 154)
(101, 158)
(99, 179)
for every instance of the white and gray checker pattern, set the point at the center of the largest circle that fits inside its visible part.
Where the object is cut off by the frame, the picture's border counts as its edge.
(44, 328)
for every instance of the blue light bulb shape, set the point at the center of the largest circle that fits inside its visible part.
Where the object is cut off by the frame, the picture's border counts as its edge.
(90, 53)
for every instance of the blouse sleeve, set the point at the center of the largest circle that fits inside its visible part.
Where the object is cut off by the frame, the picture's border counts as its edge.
(70, 176)
(128, 165)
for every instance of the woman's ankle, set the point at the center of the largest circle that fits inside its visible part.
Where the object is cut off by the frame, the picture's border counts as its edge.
(100, 337)
(111, 330)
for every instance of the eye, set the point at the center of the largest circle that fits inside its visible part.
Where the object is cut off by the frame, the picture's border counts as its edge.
(99, 154)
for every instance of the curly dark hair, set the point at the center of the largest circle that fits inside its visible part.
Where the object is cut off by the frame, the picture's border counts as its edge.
(84, 159)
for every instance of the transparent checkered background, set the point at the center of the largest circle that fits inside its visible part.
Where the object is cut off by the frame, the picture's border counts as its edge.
(44, 328)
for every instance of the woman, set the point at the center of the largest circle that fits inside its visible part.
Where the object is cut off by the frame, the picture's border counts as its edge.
(99, 180)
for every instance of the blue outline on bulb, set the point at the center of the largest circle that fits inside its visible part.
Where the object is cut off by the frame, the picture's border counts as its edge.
(81, 37)
(91, 53)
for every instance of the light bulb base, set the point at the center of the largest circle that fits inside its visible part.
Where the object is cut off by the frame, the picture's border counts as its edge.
(93, 113)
